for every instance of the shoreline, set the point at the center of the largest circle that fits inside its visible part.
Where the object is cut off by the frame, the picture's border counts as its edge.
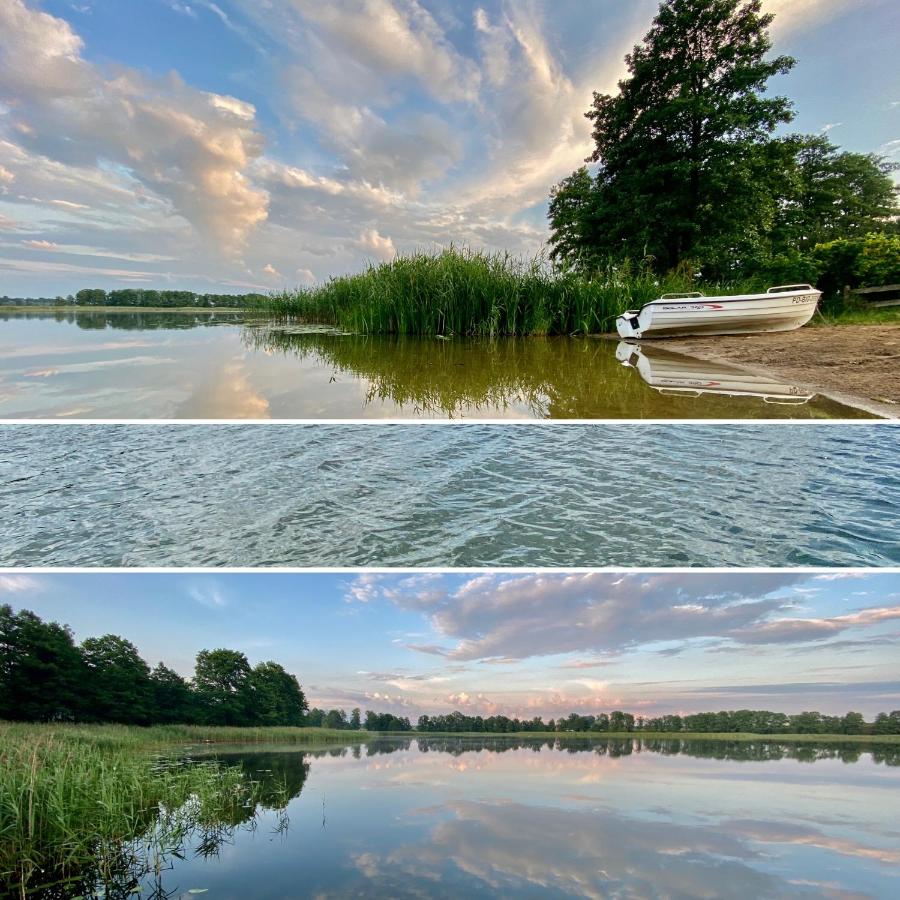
(856, 365)
(125, 309)
(852, 364)
(157, 736)
(654, 736)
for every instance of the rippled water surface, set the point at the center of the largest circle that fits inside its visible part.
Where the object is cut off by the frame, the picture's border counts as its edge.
(457, 818)
(103, 365)
(463, 495)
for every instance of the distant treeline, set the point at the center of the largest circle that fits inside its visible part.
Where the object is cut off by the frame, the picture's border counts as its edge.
(337, 718)
(138, 297)
(45, 677)
(746, 721)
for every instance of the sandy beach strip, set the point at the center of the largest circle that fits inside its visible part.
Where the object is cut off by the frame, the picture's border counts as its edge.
(855, 364)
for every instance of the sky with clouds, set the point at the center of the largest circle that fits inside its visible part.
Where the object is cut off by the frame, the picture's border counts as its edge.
(520, 644)
(257, 144)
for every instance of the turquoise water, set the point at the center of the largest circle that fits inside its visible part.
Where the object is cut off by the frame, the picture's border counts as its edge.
(460, 495)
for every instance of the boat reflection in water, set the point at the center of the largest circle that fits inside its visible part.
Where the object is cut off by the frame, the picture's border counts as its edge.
(673, 373)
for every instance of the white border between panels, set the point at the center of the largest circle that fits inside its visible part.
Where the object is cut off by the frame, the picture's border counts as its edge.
(447, 570)
(831, 423)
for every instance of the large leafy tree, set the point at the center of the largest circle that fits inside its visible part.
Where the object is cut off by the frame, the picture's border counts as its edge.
(41, 670)
(173, 700)
(575, 240)
(224, 687)
(684, 149)
(831, 195)
(118, 682)
(278, 697)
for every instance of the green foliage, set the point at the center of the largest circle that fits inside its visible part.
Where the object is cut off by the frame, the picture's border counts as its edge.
(689, 173)
(572, 212)
(118, 680)
(466, 292)
(76, 803)
(45, 677)
(828, 194)
(42, 673)
(887, 723)
(173, 699)
(858, 262)
(222, 682)
(878, 261)
(386, 722)
(277, 696)
(336, 718)
(171, 299)
(684, 148)
(725, 722)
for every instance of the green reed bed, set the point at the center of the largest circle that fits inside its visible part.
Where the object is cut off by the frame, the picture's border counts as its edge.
(94, 802)
(157, 737)
(467, 292)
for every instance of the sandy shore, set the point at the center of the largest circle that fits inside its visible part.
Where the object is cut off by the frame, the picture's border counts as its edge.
(855, 364)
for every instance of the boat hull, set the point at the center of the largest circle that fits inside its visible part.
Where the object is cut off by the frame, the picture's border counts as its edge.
(670, 373)
(745, 314)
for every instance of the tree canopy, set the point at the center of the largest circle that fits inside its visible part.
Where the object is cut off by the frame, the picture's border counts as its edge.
(689, 169)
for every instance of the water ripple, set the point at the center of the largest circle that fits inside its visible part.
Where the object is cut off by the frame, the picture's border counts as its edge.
(465, 495)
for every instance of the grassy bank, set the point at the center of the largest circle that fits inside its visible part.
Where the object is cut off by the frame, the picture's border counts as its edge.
(465, 292)
(860, 315)
(157, 737)
(82, 801)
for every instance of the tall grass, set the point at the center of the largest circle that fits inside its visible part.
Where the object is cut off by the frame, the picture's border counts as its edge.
(162, 736)
(93, 802)
(467, 292)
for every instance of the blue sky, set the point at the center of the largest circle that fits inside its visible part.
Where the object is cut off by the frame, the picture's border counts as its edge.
(519, 644)
(240, 144)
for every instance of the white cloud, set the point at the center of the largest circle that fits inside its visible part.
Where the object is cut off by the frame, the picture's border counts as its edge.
(374, 244)
(191, 148)
(394, 38)
(364, 588)
(514, 617)
(18, 584)
(207, 593)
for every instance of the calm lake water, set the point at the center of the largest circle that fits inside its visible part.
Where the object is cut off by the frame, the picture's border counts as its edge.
(199, 365)
(461, 495)
(458, 818)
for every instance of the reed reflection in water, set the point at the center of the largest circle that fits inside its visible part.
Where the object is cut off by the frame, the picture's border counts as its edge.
(148, 364)
(458, 816)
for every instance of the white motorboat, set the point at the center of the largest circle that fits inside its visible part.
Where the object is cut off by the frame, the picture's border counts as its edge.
(673, 373)
(781, 308)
